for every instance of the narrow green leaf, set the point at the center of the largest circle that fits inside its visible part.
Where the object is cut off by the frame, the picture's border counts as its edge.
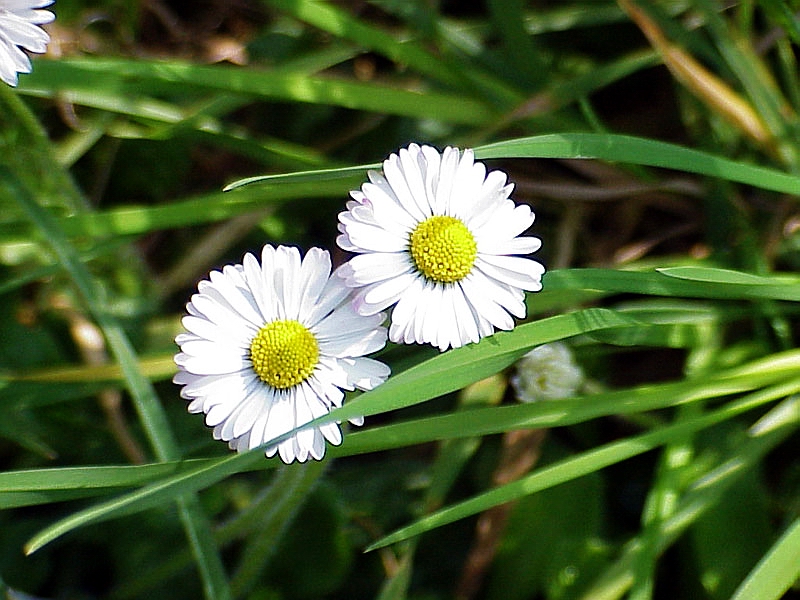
(777, 571)
(452, 370)
(584, 463)
(655, 283)
(342, 24)
(709, 275)
(155, 494)
(561, 413)
(147, 404)
(120, 78)
(641, 151)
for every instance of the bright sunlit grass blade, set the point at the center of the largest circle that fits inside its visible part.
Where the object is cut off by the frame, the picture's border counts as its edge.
(150, 496)
(719, 284)
(641, 151)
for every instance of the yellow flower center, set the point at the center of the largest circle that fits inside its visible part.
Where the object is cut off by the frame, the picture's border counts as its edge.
(443, 249)
(284, 354)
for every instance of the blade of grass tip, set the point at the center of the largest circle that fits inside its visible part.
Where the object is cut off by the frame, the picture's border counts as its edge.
(155, 494)
(145, 399)
(776, 571)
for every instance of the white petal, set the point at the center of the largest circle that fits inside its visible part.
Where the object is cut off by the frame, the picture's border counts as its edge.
(371, 268)
(286, 276)
(522, 273)
(212, 363)
(386, 209)
(517, 245)
(502, 221)
(364, 373)
(205, 329)
(314, 275)
(393, 169)
(372, 238)
(382, 295)
(485, 304)
(263, 294)
(404, 313)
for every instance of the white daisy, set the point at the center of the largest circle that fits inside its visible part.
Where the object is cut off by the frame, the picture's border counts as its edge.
(19, 28)
(270, 347)
(436, 236)
(548, 372)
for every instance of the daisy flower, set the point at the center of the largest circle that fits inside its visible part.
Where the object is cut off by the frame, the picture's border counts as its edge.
(270, 346)
(19, 28)
(438, 238)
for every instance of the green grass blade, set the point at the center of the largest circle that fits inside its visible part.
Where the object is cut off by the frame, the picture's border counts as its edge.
(701, 495)
(43, 486)
(147, 404)
(686, 283)
(641, 151)
(587, 462)
(342, 24)
(613, 148)
(777, 571)
(453, 370)
(562, 413)
(473, 422)
(122, 78)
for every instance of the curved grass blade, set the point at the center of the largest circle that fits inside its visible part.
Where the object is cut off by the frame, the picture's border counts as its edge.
(43, 486)
(442, 374)
(641, 151)
(417, 384)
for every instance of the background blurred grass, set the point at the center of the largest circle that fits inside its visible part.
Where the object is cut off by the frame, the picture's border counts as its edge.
(674, 475)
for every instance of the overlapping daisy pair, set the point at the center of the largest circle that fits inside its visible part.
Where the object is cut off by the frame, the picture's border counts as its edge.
(271, 345)
(20, 30)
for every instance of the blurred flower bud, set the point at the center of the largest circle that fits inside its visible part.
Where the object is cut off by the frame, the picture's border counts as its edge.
(547, 372)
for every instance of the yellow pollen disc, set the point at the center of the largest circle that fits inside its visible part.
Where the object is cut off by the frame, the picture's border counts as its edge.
(443, 249)
(284, 354)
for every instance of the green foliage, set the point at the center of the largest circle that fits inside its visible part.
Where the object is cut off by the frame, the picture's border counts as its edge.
(664, 171)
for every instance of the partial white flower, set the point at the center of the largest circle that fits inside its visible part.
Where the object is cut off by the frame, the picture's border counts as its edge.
(547, 372)
(271, 346)
(438, 238)
(19, 28)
